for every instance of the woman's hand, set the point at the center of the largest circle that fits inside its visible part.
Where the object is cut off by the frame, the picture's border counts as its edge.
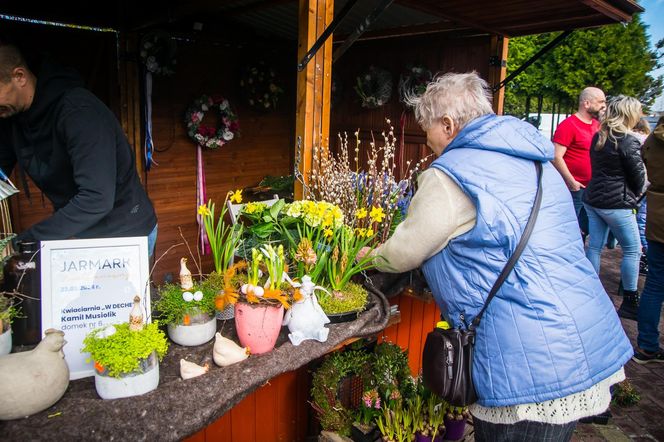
(362, 253)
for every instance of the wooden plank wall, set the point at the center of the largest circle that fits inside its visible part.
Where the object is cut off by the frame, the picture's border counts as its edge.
(439, 53)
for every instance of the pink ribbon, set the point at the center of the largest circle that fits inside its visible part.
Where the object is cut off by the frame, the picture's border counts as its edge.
(201, 198)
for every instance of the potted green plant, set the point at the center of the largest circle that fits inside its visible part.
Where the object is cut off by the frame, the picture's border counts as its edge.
(364, 429)
(259, 298)
(189, 314)
(455, 422)
(396, 423)
(224, 240)
(126, 356)
(7, 313)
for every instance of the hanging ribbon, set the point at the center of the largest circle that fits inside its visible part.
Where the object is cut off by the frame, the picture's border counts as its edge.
(149, 144)
(201, 198)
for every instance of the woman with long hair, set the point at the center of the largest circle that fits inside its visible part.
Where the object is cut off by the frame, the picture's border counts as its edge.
(611, 197)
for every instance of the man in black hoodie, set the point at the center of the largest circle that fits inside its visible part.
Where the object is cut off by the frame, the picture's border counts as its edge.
(73, 148)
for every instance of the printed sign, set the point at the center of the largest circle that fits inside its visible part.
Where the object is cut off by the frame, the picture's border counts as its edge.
(91, 283)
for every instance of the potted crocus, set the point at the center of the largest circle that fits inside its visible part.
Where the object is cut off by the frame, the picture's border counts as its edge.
(7, 312)
(126, 356)
(189, 314)
(259, 302)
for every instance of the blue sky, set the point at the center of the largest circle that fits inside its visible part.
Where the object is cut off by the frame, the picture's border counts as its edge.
(654, 18)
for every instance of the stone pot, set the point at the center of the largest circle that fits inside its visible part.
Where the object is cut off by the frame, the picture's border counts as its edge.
(141, 381)
(194, 334)
(5, 341)
(258, 326)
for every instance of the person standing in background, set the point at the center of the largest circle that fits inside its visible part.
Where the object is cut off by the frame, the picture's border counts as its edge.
(572, 147)
(618, 178)
(648, 349)
(641, 131)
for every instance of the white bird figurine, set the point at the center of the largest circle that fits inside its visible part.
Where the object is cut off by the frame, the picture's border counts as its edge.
(226, 352)
(186, 281)
(190, 370)
(306, 319)
(33, 380)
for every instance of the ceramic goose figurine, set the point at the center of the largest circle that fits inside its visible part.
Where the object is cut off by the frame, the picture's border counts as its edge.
(190, 370)
(186, 281)
(306, 319)
(33, 380)
(226, 352)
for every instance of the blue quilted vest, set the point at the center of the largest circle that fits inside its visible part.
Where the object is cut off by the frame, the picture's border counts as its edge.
(551, 330)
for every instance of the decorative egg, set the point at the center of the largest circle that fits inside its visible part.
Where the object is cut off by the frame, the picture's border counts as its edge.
(259, 291)
(198, 296)
(188, 296)
(246, 288)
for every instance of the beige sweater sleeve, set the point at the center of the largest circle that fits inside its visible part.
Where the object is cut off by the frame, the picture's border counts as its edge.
(438, 212)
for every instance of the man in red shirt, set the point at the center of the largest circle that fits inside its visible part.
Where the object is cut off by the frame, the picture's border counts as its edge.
(572, 142)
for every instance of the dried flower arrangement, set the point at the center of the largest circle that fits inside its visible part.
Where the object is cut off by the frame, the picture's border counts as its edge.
(373, 200)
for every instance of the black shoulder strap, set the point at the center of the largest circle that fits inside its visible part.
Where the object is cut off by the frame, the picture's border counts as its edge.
(519, 248)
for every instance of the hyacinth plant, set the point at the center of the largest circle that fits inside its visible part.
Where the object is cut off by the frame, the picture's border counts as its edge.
(373, 200)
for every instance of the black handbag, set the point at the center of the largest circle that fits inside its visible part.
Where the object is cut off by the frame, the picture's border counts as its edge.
(447, 359)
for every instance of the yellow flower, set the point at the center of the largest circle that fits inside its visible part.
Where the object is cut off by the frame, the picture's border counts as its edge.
(253, 207)
(236, 197)
(370, 232)
(328, 233)
(377, 214)
(203, 210)
(361, 213)
(361, 232)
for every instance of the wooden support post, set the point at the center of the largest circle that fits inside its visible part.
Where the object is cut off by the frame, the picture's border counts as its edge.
(498, 72)
(313, 87)
(130, 99)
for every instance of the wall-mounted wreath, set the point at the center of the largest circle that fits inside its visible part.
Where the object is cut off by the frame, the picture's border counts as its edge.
(374, 87)
(260, 87)
(210, 136)
(157, 52)
(413, 82)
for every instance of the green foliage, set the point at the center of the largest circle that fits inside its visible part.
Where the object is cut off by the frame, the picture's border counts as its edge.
(171, 307)
(625, 395)
(122, 352)
(224, 239)
(331, 413)
(353, 298)
(7, 313)
(392, 373)
(615, 58)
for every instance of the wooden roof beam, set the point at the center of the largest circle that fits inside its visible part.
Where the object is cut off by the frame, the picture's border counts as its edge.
(608, 10)
(406, 31)
(437, 11)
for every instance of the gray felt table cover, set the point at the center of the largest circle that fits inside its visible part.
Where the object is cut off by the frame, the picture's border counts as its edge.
(178, 408)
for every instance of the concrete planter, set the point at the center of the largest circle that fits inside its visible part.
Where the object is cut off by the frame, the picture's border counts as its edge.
(5, 342)
(192, 335)
(145, 379)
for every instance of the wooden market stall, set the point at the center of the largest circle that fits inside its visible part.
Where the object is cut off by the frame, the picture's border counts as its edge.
(215, 41)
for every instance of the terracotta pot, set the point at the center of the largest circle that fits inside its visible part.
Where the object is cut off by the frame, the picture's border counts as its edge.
(454, 429)
(194, 334)
(5, 341)
(143, 380)
(258, 326)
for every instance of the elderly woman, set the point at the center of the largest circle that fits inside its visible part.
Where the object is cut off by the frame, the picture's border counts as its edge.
(611, 197)
(550, 344)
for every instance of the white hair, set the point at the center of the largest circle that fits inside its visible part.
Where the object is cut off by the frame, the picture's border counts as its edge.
(462, 97)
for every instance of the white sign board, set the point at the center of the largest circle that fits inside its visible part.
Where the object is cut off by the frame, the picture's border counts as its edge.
(90, 283)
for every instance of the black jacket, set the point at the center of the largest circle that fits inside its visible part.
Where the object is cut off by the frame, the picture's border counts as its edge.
(75, 151)
(618, 174)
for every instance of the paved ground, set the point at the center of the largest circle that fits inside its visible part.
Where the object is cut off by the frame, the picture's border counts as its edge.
(641, 422)
(644, 421)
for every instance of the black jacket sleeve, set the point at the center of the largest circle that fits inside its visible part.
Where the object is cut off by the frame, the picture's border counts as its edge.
(91, 146)
(7, 156)
(632, 163)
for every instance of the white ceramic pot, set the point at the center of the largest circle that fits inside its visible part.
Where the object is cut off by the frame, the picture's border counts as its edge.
(5, 342)
(192, 335)
(132, 384)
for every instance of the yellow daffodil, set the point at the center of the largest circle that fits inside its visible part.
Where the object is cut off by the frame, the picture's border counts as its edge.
(203, 210)
(361, 213)
(236, 197)
(370, 232)
(328, 233)
(361, 232)
(377, 214)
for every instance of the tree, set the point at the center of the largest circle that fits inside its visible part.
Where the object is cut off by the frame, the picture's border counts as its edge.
(616, 58)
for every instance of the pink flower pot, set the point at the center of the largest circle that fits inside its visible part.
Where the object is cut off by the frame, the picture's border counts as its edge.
(258, 326)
